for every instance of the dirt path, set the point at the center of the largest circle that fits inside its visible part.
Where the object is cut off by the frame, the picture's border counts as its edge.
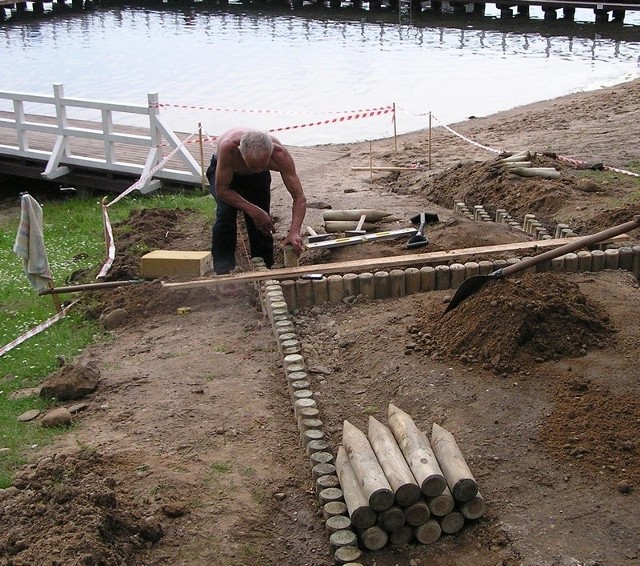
(189, 453)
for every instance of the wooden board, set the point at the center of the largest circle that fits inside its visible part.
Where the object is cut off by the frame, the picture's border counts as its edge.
(411, 260)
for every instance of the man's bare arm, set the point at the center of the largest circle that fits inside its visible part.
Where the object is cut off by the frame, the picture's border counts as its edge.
(293, 184)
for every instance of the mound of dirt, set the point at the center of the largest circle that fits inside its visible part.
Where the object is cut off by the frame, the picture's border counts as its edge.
(540, 317)
(79, 510)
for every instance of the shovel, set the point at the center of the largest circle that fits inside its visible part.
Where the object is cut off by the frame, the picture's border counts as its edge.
(472, 285)
(419, 239)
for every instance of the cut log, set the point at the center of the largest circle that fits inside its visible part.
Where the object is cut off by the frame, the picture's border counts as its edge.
(512, 164)
(544, 172)
(418, 514)
(429, 532)
(460, 480)
(405, 488)
(362, 516)
(371, 215)
(391, 519)
(333, 226)
(452, 522)
(442, 504)
(519, 156)
(417, 452)
(367, 469)
(402, 536)
(474, 508)
(374, 538)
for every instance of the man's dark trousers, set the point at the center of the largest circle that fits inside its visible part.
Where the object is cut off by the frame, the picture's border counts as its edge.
(256, 189)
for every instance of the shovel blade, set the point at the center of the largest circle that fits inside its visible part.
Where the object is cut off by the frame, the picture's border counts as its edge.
(468, 287)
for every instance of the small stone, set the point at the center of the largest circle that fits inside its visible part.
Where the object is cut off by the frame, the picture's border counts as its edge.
(624, 487)
(114, 319)
(57, 418)
(279, 496)
(173, 510)
(28, 416)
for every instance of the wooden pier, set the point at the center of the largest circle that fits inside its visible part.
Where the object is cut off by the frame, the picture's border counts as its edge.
(407, 10)
(106, 156)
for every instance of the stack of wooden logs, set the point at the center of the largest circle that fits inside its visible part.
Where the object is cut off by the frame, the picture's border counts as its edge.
(521, 164)
(353, 220)
(400, 487)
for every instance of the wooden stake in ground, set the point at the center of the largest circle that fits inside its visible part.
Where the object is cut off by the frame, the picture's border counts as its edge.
(404, 485)
(417, 452)
(368, 471)
(461, 482)
(362, 516)
(474, 508)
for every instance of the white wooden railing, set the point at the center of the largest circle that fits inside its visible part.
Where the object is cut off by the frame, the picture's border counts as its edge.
(63, 146)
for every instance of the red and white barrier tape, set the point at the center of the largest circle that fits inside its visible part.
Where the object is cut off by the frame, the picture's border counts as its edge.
(379, 112)
(252, 111)
(42, 326)
(111, 246)
(577, 163)
(491, 149)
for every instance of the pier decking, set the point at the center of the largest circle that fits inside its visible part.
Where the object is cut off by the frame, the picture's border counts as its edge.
(608, 11)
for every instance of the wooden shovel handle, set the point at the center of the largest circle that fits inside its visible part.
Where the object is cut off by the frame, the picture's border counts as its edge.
(574, 244)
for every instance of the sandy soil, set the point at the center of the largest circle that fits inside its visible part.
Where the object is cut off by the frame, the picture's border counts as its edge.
(188, 452)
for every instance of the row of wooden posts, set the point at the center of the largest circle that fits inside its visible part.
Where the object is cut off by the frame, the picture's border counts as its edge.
(391, 486)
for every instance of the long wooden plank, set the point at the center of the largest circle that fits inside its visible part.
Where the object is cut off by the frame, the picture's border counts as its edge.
(412, 260)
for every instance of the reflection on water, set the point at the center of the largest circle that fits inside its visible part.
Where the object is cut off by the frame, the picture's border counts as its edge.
(275, 71)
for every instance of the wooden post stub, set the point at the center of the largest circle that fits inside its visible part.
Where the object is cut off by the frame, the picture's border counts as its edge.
(366, 286)
(362, 516)
(366, 467)
(330, 494)
(322, 457)
(304, 294)
(351, 284)
(346, 554)
(333, 508)
(343, 537)
(397, 283)
(335, 288)
(412, 280)
(325, 482)
(443, 277)
(320, 291)
(459, 478)
(406, 490)
(337, 523)
(322, 470)
(417, 452)
(427, 278)
(381, 285)
(289, 292)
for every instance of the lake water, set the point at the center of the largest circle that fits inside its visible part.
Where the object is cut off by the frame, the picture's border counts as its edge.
(278, 71)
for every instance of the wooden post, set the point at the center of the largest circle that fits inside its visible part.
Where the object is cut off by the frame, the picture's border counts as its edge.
(442, 504)
(461, 482)
(429, 145)
(474, 508)
(396, 470)
(366, 467)
(429, 532)
(418, 514)
(203, 178)
(395, 131)
(362, 516)
(452, 522)
(417, 452)
(391, 519)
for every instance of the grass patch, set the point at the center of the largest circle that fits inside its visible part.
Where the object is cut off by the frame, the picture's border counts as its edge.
(75, 243)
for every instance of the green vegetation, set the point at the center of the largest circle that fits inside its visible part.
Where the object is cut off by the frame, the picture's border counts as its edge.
(75, 244)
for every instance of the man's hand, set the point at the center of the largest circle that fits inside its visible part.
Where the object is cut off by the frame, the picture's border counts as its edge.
(263, 221)
(295, 239)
